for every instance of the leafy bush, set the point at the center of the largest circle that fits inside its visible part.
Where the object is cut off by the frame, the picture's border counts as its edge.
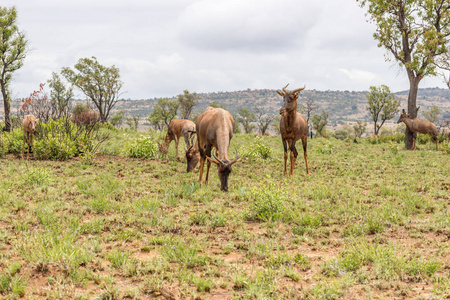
(256, 150)
(11, 142)
(397, 137)
(445, 146)
(268, 204)
(341, 134)
(62, 139)
(144, 147)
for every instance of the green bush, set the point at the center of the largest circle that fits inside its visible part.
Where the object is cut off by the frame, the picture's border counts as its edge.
(341, 134)
(144, 147)
(268, 203)
(396, 137)
(11, 142)
(256, 150)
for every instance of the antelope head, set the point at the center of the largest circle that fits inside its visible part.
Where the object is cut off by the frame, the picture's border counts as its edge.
(290, 99)
(192, 153)
(163, 148)
(403, 116)
(224, 169)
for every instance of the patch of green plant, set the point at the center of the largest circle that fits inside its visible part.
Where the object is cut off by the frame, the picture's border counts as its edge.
(184, 253)
(144, 147)
(256, 150)
(38, 176)
(267, 204)
(117, 257)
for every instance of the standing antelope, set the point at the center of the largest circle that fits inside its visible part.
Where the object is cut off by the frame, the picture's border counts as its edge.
(29, 128)
(177, 129)
(215, 129)
(293, 126)
(418, 125)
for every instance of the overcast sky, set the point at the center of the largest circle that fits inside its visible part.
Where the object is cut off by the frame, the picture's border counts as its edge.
(164, 47)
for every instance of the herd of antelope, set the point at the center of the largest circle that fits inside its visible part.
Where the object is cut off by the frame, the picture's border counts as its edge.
(214, 131)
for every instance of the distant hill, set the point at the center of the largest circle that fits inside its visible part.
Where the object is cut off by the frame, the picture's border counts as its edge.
(342, 106)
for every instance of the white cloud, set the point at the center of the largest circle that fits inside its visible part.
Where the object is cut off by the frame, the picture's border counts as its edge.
(164, 47)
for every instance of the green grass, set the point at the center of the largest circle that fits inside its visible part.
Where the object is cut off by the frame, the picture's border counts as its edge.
(371, 221)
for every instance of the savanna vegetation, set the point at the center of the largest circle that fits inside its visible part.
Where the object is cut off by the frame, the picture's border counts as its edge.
(116, 221)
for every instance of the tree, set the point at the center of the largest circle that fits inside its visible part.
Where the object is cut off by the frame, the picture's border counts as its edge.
(118, 118)
(245, 117)
(99, 83)
(216, 105)
(359, 128)
(38, 104)
(60, 96)
(309, 106)
(382, 104)
(164, 111)
(432, 114)
(444, 63)
(13, 48)
(320, 122)
(416, 33)
(187, 101)
(133, 122)
(263, 120)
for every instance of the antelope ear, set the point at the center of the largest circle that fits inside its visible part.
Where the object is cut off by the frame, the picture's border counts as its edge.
(280, 93)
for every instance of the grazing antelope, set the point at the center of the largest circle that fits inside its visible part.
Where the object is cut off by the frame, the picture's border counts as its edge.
(176, 130)
(192, 155)
(29, 128)
(215, 129)
(293, 126)
(418, 125)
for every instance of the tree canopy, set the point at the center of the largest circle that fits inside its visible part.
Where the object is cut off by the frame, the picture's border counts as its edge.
(99, 83)
(320, 122)
(382, 106)
(164, 111)
(187, 101)
(416, 33)
(13, 49)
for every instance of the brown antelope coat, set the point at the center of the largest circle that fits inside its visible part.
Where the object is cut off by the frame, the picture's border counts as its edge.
(421, 126)
(293, 126)
(29, 124)
(215, 130)
(177, 129)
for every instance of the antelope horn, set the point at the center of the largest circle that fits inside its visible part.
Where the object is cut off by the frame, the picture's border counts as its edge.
(236, 158)
(284, 89)
(299, 89)
(215, 159)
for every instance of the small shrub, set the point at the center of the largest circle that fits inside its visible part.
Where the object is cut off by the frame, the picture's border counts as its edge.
(144, 147)
(268, 204)
(38, 177)
(256, 150)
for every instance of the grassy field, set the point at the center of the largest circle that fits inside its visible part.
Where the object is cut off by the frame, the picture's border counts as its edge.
(370, 222)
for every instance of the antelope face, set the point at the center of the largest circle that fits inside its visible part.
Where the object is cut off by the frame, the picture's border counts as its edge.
(192, 158)
(163, 148)
(32, 125)
(224, 170)
(290, 99)
(403, 116)
(290, 103)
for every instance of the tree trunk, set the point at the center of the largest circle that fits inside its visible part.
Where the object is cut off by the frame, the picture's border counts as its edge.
(7, 106)
(412, 109)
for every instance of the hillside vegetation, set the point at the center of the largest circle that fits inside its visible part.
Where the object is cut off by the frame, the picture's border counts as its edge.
(343, 106)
